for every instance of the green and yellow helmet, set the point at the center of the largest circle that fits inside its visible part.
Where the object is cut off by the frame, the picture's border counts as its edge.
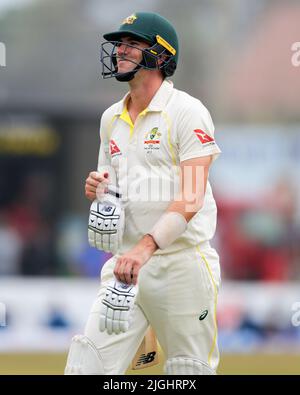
(151, 28)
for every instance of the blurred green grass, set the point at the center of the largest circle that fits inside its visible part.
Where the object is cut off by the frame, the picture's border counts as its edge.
(51, 364)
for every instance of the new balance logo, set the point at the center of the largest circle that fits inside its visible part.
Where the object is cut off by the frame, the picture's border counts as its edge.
(146, 358)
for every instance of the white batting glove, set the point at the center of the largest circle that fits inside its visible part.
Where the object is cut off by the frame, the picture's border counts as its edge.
(117, 306)
(106, 222)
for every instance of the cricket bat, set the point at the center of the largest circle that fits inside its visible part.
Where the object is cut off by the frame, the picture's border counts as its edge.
(147, 353)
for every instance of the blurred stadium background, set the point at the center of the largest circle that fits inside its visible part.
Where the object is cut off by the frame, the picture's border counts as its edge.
(240, 58)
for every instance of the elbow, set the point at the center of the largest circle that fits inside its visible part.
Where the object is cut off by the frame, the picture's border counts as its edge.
(194, 206)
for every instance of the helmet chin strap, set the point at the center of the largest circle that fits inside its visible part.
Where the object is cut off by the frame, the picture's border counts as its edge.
(125, 77)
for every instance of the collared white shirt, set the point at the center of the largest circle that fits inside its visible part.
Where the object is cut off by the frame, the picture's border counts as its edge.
(145, 156)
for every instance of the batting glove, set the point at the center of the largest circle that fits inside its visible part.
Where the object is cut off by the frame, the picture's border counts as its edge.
(106, 222)
(117, 306)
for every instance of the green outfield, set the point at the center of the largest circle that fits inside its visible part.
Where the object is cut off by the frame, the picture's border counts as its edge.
(230, 364)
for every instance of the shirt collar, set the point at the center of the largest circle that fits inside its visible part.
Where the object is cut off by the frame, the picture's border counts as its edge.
(161, 97)
(158, 101)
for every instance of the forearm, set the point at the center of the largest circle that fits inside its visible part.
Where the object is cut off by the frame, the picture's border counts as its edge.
(146, 247)
(189, 201)
(185, 208)
(168, 227)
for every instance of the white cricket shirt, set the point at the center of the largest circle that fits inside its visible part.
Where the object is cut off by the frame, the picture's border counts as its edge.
(175, 127)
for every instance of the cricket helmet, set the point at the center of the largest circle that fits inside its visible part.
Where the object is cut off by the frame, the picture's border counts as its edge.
(148, 27)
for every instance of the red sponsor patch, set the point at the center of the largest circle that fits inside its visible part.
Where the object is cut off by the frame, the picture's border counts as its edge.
(203, 137)
(113, 148)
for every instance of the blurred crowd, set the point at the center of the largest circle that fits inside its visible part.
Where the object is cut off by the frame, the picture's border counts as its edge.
(260, 239)
(36, 241)
(26, 230)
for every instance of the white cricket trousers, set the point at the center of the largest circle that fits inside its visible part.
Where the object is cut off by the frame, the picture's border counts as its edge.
(178, 297)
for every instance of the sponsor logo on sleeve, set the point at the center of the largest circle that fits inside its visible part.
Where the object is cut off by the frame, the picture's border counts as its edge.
(114, 149)
(204, 137)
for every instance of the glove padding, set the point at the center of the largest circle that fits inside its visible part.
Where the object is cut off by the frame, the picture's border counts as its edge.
(106, 222)
(117, 306)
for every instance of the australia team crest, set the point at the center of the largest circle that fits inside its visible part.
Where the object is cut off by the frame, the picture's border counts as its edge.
(152, 140)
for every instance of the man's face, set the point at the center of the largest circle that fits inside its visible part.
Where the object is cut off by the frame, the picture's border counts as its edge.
(130, 54)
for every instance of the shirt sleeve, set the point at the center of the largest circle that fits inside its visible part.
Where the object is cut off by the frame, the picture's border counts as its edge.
(196, 133)
(104, 163)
